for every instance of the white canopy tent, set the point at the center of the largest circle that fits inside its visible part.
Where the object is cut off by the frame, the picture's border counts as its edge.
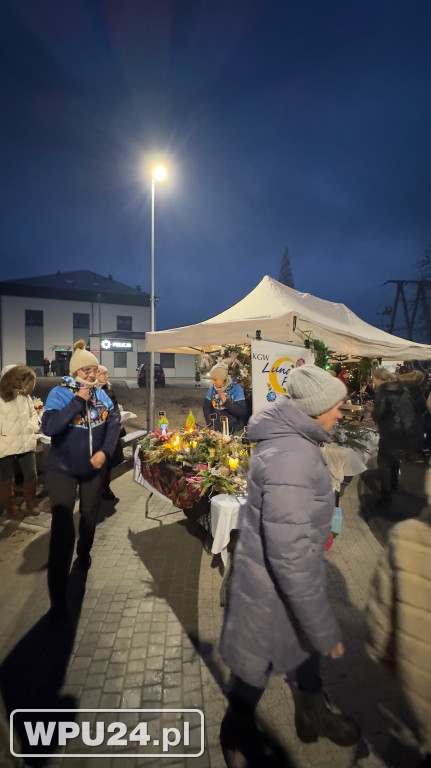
(280, 313)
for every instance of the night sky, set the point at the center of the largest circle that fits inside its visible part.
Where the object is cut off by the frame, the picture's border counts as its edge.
(303, 124)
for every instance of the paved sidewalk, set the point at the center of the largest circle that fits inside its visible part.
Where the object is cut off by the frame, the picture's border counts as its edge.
(148, 631)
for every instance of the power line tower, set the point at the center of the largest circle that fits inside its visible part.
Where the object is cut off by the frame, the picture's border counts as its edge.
(286, 276)
(414, 307)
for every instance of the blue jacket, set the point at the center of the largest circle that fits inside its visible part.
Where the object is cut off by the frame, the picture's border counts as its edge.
(235, 408)
(78, 429)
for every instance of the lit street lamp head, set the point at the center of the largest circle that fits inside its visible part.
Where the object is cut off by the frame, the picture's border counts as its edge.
(159, 173)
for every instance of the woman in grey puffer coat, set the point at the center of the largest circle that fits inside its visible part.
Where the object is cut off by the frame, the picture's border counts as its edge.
(279, 619)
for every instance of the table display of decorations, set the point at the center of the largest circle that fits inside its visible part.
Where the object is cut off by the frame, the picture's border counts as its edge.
(190, 465)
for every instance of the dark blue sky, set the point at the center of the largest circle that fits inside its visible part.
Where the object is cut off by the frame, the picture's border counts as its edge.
(303, 124)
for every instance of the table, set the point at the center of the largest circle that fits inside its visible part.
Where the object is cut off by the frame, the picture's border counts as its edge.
(346, 462)
(140, 479)
(168, 482)
(225, 511)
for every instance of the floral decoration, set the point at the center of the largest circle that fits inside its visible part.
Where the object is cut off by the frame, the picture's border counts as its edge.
(37, 405)
(188, 465)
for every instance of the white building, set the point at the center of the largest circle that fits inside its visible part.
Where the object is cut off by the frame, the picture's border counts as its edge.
(42, 317)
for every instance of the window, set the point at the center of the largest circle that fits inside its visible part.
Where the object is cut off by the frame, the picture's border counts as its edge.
(34, 317)
(124, 323)
(141, 358)
(81, 320)
(120, 359)
(34, 357)
(167, 359)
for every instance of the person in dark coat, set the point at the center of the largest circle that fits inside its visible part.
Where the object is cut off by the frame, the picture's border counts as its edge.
(414, 382)
(224, 399)
(279, 620)
(84, 427)
(117, 457)
(395, 418)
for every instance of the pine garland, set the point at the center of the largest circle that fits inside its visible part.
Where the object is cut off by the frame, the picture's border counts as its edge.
(237, 357)
(350, 435)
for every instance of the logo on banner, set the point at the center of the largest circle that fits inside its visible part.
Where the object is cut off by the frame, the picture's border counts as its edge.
(271, 364)
(278, 371)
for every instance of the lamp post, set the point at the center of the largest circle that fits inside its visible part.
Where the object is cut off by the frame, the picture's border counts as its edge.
(99, 299)
(159, 174)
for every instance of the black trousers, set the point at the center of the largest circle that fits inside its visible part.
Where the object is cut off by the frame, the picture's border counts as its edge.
(62, 495)
(244, 697)
(388, 468)
(24, 462)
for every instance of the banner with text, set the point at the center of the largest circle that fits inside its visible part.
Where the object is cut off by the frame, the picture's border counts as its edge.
(271, 364)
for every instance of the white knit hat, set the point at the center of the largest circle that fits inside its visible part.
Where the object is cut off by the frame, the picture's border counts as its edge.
(313, 390)
(219, 371)
(81, 358)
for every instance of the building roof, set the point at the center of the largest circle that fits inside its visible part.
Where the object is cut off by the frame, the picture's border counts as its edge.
(81, 285)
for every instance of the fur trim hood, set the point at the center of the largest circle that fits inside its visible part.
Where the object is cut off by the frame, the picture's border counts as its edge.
(413, 378)
(7, 391)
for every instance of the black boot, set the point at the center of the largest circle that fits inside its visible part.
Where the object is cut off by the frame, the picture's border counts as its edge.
(384, 501)
(244, 745)
(313, 718)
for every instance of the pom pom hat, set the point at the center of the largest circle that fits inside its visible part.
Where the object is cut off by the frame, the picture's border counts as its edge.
(313, 390)
(81, 358)
(219, 371)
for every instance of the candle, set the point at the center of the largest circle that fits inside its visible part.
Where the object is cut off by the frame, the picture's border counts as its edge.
(176, 442)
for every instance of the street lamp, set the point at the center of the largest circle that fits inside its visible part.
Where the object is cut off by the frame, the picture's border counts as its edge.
(159, 173)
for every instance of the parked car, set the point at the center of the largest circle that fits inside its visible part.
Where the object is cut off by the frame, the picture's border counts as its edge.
(159, 375)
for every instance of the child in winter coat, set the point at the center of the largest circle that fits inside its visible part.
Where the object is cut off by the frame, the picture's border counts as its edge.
(19, 424)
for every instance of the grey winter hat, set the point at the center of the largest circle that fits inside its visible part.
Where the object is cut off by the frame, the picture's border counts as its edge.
(313, 390)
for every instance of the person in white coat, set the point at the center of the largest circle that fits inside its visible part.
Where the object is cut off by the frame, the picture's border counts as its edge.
(19, 424)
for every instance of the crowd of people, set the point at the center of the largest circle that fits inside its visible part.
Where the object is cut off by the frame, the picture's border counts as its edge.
(278, 619)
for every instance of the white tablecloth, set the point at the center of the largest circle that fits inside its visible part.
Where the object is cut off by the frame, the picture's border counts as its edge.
(346, 462)
(224, 519)
(126, 415)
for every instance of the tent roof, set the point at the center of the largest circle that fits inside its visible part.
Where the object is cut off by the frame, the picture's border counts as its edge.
(272, 307)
